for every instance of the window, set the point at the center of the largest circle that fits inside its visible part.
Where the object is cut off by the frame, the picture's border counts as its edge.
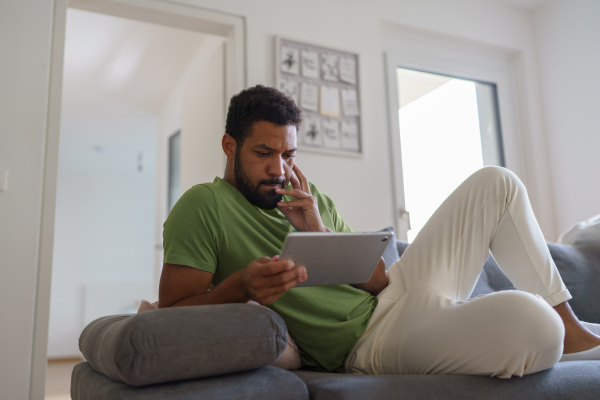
(448, 130)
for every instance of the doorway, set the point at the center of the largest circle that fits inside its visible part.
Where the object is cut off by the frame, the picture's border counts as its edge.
(116, 83)
(219, 41)
(449, 128)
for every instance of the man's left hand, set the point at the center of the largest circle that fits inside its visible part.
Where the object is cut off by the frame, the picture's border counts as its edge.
(303, 212)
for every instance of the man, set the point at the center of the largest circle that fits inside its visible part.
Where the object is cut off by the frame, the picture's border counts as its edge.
(220, 237)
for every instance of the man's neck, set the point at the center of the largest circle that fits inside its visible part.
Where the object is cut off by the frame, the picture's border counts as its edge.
(229, 176)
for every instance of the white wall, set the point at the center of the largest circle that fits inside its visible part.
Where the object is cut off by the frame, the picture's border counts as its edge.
(25, 45)
(202, 123)
(196, 105)
(104, 227)
(567, 37)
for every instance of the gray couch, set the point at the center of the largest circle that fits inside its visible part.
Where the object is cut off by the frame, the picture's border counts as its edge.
(225, 352)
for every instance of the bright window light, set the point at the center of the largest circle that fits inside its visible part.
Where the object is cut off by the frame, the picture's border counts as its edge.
(441, 147)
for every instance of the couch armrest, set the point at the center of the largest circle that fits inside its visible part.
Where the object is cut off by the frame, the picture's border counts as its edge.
(181, 343)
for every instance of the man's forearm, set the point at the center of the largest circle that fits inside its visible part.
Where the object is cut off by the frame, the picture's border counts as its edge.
(264, 280)
(379, 280)
(230, 290)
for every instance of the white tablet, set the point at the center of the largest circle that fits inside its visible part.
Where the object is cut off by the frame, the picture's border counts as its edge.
(335, 258)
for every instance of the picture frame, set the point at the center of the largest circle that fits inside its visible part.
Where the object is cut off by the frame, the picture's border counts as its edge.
(324, 83)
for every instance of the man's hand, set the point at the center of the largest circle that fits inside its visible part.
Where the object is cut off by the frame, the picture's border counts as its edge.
(303, 212)
(268, 279)
(264, 280)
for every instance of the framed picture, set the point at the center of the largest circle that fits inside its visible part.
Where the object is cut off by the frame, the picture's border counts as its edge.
(324, 83)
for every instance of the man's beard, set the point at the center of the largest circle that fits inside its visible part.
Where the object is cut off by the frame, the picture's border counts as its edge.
(252, 193)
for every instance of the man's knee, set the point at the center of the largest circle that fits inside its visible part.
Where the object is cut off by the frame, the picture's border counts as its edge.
(499, 177)
(534, 321)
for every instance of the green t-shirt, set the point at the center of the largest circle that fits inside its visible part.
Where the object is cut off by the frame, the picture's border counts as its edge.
(214, 228)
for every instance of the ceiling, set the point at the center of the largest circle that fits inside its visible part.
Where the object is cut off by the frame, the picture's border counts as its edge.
(118, 73)
(134, 62)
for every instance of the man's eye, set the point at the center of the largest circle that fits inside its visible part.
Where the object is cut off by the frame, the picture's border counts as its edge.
(263, 154)
(289, 156)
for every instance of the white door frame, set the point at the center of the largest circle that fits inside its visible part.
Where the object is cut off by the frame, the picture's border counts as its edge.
(231, 27)
(447, 58)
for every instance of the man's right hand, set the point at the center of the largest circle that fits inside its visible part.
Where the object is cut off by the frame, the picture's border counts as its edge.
(268, 279)
(265, 280)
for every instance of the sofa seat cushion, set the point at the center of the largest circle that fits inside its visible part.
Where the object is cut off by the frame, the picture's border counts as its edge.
(182, 343)
(258, 384)
(568, 380)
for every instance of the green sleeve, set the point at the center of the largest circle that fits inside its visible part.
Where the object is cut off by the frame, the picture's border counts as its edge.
(190, 235)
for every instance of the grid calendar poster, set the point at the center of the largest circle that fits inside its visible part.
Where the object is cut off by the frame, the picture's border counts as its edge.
(324, 84)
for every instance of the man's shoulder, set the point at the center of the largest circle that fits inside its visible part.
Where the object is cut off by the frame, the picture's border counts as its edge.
(319, 195)
(314, 190)
(215, 189)
(203, 196)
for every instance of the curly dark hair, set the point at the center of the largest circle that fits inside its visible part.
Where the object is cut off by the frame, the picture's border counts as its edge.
(260, 103)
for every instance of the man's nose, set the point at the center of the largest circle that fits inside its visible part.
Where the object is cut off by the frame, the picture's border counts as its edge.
(277, 166)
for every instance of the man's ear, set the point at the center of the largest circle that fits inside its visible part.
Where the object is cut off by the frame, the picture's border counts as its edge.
(229, 144)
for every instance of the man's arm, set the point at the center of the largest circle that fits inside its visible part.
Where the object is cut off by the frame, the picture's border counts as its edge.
(303, 214)
(379, 280)
(264, 280)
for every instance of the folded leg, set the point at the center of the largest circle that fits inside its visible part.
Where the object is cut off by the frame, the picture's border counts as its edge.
(489, 211)
(423, 323)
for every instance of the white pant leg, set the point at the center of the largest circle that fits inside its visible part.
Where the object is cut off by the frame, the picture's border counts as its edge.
(423, 324)
(489, 211)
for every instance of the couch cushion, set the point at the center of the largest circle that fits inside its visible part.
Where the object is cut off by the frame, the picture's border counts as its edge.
(390, 254)
(258, 384)
(568, 380)
(183, 342)
(583, 234)
(491, 279)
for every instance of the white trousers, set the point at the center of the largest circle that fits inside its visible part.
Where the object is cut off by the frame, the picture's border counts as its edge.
(424, 322)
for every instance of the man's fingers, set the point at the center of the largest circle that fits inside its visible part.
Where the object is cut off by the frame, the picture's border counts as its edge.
(294, 193)
(302, 178)
(276, 273)
(272, 293)
(295, 182)
(270, 267)
(296, 203)
(285, 210)
(284, 278)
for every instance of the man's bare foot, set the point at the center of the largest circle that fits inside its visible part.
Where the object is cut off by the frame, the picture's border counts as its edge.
(577, 337)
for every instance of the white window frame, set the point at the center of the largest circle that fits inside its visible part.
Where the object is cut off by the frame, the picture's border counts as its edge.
(446, 57)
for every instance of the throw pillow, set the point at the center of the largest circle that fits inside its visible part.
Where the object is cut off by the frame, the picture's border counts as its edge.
(180, 343)
(390, 254)
(586, 233)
